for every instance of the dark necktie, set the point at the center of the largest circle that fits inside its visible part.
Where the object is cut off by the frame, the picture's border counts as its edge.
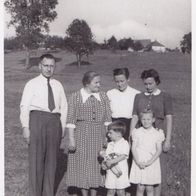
(51, 104)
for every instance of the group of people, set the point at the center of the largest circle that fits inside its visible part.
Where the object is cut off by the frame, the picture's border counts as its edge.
(114, 139)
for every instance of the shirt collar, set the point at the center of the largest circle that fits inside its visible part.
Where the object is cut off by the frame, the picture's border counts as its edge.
(157, 92)
(44, 78)
(86, 95)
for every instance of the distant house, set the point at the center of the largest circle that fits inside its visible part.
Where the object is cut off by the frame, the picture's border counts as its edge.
(158, 47)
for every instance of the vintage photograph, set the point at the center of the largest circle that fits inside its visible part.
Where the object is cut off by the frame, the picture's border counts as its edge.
(97, 97)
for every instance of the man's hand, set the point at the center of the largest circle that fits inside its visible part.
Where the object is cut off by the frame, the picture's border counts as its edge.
(26, 134)
(166, 146)
(63, 132)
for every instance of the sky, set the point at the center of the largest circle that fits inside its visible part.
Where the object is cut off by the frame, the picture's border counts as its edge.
(163, 20)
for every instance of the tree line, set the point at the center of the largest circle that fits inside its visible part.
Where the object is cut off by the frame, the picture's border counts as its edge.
(31, 20)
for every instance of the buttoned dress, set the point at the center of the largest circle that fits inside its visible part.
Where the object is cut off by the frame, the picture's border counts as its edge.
(88, 118)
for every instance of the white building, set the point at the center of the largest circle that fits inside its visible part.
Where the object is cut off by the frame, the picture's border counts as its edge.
(158, 47)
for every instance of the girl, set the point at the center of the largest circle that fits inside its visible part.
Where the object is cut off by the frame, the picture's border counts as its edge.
(146, 149)
(119, 146)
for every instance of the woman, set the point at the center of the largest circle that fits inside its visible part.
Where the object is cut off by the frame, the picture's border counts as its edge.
(88, 114)
(161, 104)
(122, 98)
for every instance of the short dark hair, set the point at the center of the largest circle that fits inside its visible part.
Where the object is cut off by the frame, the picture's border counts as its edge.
(118, 126)
(121, 71)
(88, 77)
(47, 56)
(147, 111)
(151, 73)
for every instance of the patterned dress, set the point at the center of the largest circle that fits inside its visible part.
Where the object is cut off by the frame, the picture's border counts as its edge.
(84, 170)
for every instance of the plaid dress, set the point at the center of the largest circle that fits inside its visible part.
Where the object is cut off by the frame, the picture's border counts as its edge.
(84, 170)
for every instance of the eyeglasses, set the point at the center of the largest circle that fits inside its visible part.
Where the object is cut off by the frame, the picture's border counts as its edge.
(48, 66)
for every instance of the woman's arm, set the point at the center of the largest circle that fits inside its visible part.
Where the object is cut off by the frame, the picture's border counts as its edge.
(71, 138)
(156, 155)
(167, 142)
(133, 123)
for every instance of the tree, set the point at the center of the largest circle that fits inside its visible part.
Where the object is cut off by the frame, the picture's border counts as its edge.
(186, 43)
(125, 43)
(30, 18)
(53, 42)
(112, 43)
(138, 46)
(79, 39)
(11, 43)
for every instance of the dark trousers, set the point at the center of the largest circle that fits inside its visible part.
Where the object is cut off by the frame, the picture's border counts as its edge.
(45, 136)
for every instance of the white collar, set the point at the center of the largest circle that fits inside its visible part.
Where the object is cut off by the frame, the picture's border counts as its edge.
(157, 92)
(44, 78)
(86, 95)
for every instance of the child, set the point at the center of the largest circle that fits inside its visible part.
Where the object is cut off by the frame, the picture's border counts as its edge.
(120, 147)
(146, 149)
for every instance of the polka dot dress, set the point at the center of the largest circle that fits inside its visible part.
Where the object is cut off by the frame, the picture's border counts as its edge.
(83, 167)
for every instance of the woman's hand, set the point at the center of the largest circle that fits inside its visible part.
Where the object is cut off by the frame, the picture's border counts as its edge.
(166, 146)
(72, 145)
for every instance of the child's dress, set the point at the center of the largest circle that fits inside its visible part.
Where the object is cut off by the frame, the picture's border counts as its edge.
(112, 181)
(146, 147)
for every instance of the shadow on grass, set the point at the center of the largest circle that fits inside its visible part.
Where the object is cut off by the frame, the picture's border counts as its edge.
(75, 63)
(34, 61)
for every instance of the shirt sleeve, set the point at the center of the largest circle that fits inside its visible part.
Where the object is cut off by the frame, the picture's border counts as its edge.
(108, 112)
(25, 105)
(161, 136)
(135, 105)
(168, 107)
(72, 111)
(63, 107)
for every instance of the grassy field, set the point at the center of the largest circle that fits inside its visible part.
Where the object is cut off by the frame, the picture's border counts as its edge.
(175, 73)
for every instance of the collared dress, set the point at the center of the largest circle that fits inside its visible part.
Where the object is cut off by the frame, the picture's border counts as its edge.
(146, 147)
(89, 116)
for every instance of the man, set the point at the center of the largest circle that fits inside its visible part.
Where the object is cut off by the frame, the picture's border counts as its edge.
(43, 117)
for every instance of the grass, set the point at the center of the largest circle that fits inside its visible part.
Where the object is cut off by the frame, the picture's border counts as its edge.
(175, 73)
